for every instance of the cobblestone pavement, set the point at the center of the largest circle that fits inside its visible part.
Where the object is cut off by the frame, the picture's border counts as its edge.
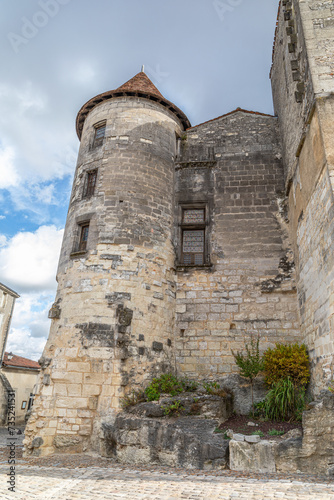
(18, 434)
(84, 477)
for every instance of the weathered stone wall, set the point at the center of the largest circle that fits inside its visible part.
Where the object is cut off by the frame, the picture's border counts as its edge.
(307, 131)
(233, 164)
(115, 306)
(7, 302)
(187, 442)
(291, 82)
(5, 388)
(314, 451)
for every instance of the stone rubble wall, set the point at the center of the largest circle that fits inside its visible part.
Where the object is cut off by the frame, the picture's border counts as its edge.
(188, 442)
(310, 453)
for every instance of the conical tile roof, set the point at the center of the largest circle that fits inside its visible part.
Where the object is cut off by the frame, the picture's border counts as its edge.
(138, 86)
(140, 83)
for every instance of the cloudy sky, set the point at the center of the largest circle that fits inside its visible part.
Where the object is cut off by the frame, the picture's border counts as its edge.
(206, 56)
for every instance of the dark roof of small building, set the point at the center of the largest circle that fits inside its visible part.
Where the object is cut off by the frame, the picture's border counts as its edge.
(231, 113)
(138, 86)
(19, 362)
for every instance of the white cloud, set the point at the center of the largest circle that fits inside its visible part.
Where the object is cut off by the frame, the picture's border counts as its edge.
(8, 173)
(21, 343)
(30, 325)
(3, 240)
(35, 147)
(28, 262)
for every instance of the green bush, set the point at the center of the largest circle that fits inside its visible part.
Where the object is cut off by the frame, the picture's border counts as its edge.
(165, 384)
(259, 409)
(287, 361)
(258, 433)
(275, 432)
(251, 363)
(189, 385)
(173, 409)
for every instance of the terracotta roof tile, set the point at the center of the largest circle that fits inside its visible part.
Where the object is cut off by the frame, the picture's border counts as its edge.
(141, 86)
(19, 362)
(139, 83)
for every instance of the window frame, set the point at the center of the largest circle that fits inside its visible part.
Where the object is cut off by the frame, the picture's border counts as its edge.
(98, 141)
(83, 238)
(80, 245)
(30, 401)
(193, 226)
(89, 188)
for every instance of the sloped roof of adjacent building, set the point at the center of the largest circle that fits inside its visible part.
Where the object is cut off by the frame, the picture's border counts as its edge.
(138, 86)
(237, 110)
(20, 362)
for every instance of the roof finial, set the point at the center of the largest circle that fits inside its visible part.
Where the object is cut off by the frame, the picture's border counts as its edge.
(142, 69)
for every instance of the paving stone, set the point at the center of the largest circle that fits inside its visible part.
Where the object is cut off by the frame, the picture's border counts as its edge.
(85, 477)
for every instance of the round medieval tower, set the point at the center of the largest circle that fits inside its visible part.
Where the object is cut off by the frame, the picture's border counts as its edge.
(114, 310)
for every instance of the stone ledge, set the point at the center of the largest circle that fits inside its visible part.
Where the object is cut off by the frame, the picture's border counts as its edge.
(186, 442)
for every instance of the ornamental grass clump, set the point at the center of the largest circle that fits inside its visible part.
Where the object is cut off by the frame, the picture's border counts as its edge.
(285, 401)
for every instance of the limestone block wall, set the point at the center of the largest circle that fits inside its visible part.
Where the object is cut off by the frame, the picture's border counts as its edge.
(115, 306)
(317, 18)
(307, 131)
(247, 286)
(292, 83)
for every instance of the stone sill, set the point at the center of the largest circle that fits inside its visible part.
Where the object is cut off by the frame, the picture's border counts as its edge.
(183, 267)
(76, 255)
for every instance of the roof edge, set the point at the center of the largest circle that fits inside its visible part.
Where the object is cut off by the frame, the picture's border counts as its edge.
(275, 38)
(231, 113)
(9, 290)
(19, 367)
(89, 105)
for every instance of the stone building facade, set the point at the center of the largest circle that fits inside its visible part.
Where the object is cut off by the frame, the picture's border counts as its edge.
(7, 303)
(182, 241)
(18, 375)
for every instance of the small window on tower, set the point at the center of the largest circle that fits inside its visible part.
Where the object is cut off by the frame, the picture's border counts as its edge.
(193, 247)
(100, 131)
(80, 242)
(83, 237)
(193, 236)
(90, 183)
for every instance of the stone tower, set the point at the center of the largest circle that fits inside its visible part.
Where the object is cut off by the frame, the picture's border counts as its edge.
(113, 317)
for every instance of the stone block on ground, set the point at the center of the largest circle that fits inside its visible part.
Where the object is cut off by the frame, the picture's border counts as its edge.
(257, 457)
(252, 439)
